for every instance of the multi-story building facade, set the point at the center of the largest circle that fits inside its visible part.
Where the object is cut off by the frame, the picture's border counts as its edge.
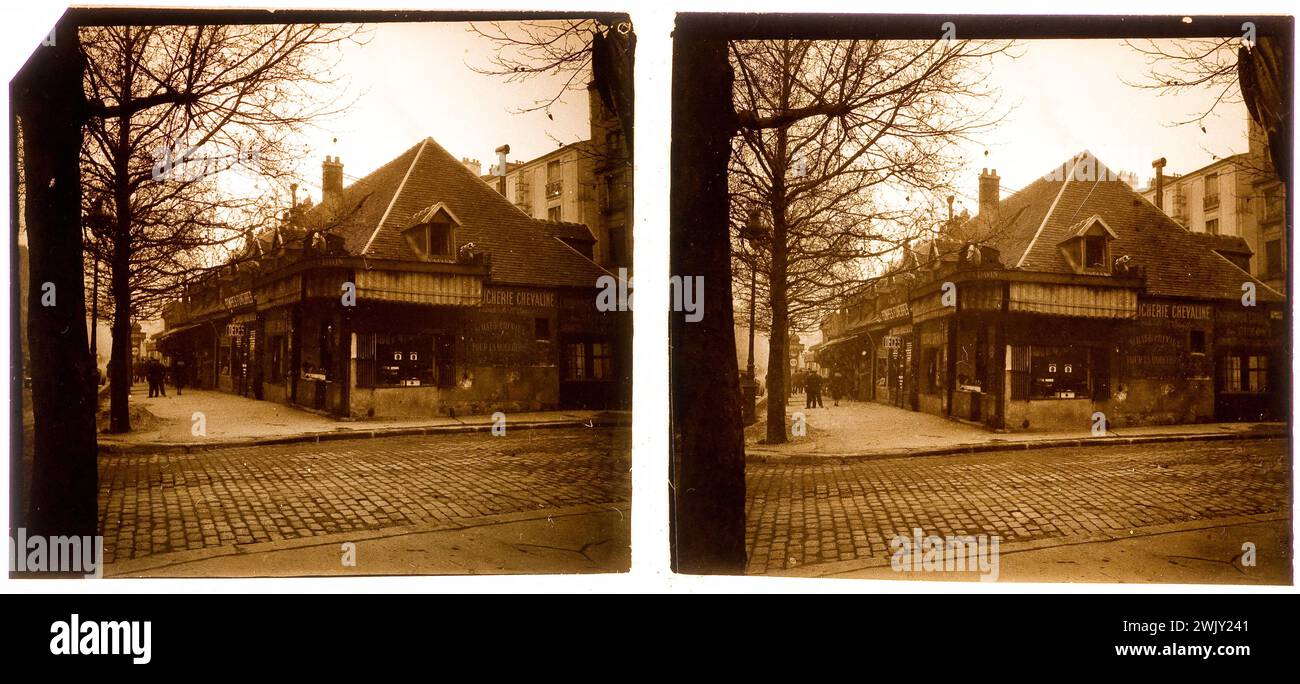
(1238, 196)
(587, 182)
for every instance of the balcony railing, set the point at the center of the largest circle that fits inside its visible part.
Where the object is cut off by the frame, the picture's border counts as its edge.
(554, 189)
(1210, 202)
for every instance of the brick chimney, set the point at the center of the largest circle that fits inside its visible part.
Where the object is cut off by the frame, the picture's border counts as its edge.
(331, 179)
(989, 190)
(475, 166)
(1159, 166)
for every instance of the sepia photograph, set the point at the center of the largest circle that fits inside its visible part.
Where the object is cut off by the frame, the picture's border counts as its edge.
(325, 296)
(998, 299)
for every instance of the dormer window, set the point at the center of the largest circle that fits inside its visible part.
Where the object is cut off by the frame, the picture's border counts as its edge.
(1087, 246)
(431, 234)
(1094, 251)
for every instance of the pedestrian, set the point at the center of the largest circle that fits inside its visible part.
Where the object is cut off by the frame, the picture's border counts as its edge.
(836, 386)
(178, 375)
(156, 373)
(813, 390)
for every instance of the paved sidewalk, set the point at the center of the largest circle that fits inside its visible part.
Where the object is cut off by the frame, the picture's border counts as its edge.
(857, 430)
(232, 420)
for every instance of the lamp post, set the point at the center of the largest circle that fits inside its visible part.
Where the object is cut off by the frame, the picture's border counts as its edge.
(754, 235)
(96, 220)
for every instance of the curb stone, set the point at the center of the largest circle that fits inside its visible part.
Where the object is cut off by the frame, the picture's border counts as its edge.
(764, 456)
(118, 449)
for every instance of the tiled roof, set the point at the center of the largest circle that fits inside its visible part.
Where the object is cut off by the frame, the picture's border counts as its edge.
(568, 230)
(1028, 227)
(372, 212)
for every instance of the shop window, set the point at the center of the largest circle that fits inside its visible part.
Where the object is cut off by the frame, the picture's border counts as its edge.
(588, 361)
(1058, 373)
(575, 354)
(930, 362)
(1257, 374)
(1232, 374)
(279, 352)
(542, 329)
(601, 361)
(1196, 341)
(1245, 373)
(404, 360)
(444, 359)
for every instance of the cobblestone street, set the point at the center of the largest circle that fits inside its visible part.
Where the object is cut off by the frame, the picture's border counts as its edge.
(168, 502)
(804, 514)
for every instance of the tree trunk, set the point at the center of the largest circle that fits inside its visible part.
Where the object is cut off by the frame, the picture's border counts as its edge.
(48, 100)
(120, 371)
(778, 355)
(119, 376)
(708, 524)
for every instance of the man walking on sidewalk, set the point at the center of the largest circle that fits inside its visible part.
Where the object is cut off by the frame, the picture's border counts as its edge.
(178, 375)
(813, 390)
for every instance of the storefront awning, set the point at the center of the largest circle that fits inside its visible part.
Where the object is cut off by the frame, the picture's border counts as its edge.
(440, 289)
(1073, 300)
(166, 334)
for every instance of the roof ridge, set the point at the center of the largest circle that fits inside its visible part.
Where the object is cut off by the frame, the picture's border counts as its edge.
(397, 193)
(1048, 216)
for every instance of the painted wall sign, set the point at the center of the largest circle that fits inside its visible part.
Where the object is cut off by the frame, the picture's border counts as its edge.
(1174, 311)
(889, 314)
(509, 297)
(237, 300)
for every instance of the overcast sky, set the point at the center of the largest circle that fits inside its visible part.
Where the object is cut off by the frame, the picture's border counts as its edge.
(1066, 96)
(411, 81)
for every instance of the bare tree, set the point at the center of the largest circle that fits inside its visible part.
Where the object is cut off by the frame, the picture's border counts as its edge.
(171, 108)
(848, 147)
(573, 50)
(1249, 68)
